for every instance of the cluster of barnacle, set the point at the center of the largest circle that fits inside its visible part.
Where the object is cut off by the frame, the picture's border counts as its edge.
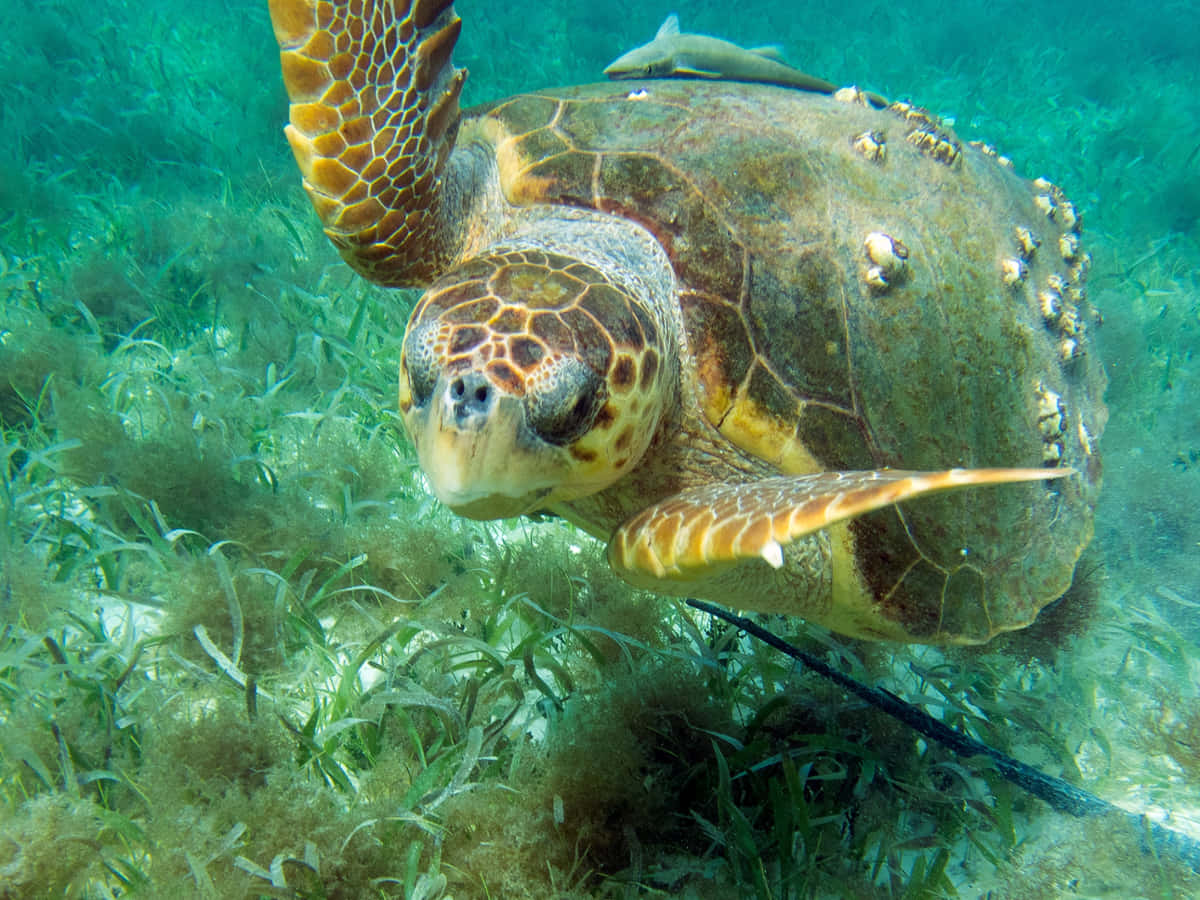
(1052, 423)
(936, 144)
(1059, 302)
(1013, 271)
(871, 145)
(1059, 299)
(927, 133)
(1053, 202)
(990, 152)
(887, 260)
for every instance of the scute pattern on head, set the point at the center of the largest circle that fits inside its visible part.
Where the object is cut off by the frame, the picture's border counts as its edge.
(528, 308)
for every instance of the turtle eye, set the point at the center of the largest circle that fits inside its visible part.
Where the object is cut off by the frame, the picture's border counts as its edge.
(562, 406)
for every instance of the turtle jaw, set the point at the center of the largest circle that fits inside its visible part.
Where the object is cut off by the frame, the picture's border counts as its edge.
(473, 444)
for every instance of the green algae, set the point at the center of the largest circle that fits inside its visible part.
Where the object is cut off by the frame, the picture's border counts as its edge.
(200, 441)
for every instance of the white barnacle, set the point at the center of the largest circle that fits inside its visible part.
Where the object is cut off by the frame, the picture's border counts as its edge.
(1068, 246)
(851, 94)
(1069, 350)
(1012, 271)
(876, 278)
(1050, 304)
(1027, 241)
(923, 118)
(946, 151)
(886, 252)
(1051, 413)
(639, 94)
(872, 145)
(1069, 322)
(928, 136)
(1046, 204)
(1067, 216)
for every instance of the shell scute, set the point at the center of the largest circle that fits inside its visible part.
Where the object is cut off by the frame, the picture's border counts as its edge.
(610, 308)
(721, 348)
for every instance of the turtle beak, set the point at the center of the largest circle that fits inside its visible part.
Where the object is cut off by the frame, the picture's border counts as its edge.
(468, 440)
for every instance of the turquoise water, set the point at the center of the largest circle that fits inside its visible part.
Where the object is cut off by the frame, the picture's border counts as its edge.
(244, 651)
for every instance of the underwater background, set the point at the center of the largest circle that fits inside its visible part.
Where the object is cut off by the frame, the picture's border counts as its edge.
(245, 654)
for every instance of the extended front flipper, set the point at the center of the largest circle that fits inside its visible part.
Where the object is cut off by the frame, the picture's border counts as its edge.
(374, 116)
(700, 533)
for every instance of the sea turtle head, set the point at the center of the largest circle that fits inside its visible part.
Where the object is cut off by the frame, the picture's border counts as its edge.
(529, 379)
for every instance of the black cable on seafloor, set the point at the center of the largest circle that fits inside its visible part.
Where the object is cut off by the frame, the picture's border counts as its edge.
(1060, 794)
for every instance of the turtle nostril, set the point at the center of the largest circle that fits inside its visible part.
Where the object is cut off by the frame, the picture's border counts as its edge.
(470, 397)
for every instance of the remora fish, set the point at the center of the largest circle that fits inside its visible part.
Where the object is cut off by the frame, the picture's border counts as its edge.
(675, 54)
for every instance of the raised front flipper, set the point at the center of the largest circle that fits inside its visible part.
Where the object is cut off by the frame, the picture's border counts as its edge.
(373, 120)
(701, 532)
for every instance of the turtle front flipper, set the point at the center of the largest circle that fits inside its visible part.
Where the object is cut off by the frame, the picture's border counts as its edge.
(374, 117)
(701, 532)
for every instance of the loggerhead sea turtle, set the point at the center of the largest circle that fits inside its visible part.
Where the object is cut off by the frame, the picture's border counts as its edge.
(712, 322)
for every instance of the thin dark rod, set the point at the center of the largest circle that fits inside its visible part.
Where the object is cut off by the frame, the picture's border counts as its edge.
(1061, 795)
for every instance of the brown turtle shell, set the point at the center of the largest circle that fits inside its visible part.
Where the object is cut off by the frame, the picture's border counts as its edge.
(816, 344)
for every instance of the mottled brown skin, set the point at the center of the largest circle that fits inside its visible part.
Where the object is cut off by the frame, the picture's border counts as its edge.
(770, 350)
